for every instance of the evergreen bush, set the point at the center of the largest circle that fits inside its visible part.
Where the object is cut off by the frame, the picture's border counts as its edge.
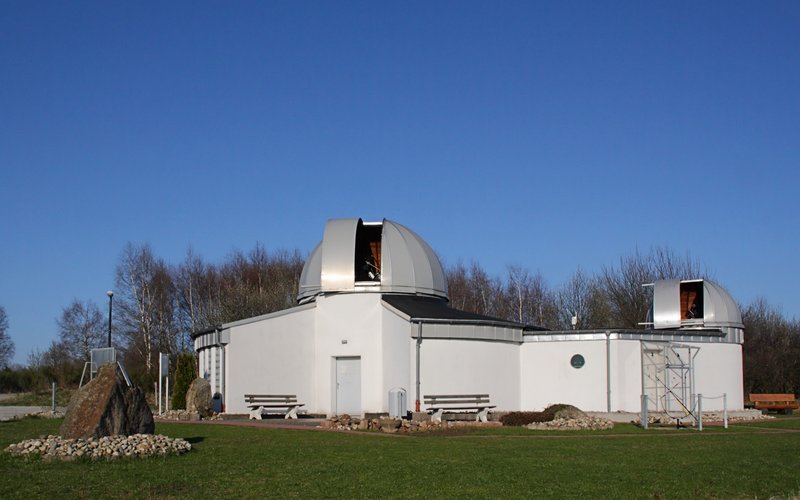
(185, 373)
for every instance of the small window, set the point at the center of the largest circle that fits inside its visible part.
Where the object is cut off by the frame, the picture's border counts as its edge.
(368, 252)
(691, 300)
(577, 361)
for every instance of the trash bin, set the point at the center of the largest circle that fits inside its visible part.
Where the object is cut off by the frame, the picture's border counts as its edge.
(397, 403)
(216, 403)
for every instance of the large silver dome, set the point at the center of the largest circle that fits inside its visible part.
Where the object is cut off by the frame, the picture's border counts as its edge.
(358, 256)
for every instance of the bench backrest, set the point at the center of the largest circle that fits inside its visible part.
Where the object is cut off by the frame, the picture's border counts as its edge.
(772, 398)
(456, 399)
(270, 398)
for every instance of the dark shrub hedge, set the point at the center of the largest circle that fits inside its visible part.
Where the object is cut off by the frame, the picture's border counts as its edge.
(520, 418)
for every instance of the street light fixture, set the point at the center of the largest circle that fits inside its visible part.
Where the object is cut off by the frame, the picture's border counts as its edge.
(110, 302)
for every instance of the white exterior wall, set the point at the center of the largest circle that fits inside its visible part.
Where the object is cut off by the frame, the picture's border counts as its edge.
(398, 362)
(271, 356)
(354, 319)
(469, 367)
(213, 369)
(718, 370)
(201, 363)
(208, 362)
(549, 378)
(626, 375)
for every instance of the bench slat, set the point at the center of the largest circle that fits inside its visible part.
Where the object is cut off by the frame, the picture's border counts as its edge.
(276, 396)
(436, 396)
(772, 398)
(271, 395)
(260, 401)
(456, 401)
(433, 408)
(271, 405)
(786, 402)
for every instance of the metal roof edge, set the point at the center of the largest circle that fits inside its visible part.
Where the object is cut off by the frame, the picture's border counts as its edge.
(625, 334)
(395, 310)
(246, 321)
(484, 320)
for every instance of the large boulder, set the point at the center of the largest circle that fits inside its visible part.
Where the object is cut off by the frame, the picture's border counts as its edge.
(107, 406)
(198, 397)
(566, 412)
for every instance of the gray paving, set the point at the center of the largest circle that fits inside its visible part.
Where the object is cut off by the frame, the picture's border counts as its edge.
(11, 412)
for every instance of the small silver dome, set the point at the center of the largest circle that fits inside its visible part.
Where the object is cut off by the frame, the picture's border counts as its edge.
(693, 304)
(384, 257)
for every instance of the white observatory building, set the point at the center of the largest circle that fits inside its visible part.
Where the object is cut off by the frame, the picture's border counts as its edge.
(373, 317)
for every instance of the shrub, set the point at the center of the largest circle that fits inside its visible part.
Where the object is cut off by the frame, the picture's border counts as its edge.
(11, 380)
(185, 373)
(520, 418)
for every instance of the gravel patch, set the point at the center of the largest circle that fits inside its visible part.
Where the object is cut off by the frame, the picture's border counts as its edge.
(573, 424)
(185, 415)
(108, 448)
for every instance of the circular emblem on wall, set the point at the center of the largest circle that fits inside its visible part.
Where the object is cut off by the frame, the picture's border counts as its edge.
(577, 361)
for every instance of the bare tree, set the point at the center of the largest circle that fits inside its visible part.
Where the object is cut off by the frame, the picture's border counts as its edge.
(164, 310)
(194, 285)
(527, 299)
(771, 350)
(487, 291)
(145, 304)
(81, 329)
(255, 283)
(519, 294)
(457, 286)
(473, 290)
(523, 297)
(583, 299)
(6, 344)
(573, 301)
(245, 285)
(622, 286)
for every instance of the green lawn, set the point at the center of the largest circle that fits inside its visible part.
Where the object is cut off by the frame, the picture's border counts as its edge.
(753, 460)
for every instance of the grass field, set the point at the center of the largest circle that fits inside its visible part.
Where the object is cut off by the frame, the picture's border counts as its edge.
(755, 460)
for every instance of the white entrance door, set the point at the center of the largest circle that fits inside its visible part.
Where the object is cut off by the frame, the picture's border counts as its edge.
(348, 386)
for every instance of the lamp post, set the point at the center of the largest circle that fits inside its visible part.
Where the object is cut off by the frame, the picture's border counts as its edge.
(110, 303)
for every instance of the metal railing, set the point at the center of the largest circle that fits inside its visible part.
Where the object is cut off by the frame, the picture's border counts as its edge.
(644, 417)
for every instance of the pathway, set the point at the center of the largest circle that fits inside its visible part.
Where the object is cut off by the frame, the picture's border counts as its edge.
(11, 412)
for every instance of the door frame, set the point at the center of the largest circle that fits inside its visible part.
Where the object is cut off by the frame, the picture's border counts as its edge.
(335, 381)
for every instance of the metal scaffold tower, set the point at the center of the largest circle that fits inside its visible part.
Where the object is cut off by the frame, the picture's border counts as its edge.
(99, 357)
(668, 378)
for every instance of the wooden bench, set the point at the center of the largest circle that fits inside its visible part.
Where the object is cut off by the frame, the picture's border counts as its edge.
(775, 402)
(263, 404)
(439, 404)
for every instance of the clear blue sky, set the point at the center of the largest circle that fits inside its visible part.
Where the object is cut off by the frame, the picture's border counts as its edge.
(550, 135)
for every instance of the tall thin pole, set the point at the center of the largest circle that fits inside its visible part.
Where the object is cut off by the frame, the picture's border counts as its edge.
(608, 371)
(419, 344)
(700, 411)
(110, 303)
